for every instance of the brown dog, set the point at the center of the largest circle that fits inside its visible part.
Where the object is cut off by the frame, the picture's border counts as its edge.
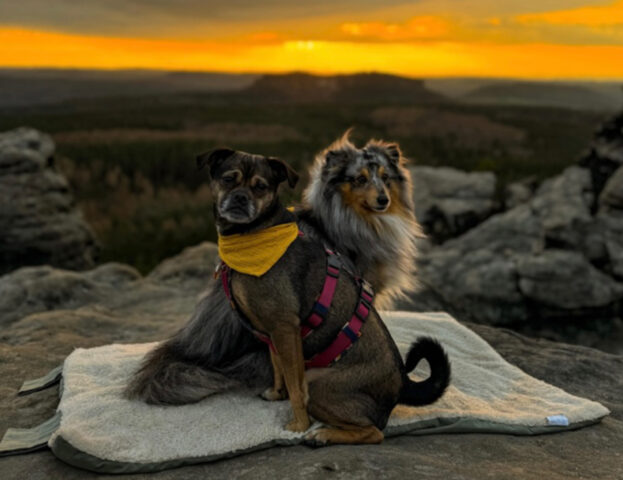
(355, 396)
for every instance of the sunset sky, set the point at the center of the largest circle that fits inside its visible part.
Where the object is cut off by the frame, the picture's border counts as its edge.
(500, 38)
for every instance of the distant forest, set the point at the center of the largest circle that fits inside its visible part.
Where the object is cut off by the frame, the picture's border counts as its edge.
(129, 153)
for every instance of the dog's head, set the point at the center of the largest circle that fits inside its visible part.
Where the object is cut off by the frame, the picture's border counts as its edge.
(371, 180)
(244, 185)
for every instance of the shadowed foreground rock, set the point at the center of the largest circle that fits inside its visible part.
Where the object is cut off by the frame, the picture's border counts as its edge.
(118, 305)
(39, 222)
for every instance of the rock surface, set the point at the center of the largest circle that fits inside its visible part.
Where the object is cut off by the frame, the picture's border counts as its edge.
(553, 260)
(38, 219)
(121, 306)
(605, 154)
(449, 202)
(519, 192)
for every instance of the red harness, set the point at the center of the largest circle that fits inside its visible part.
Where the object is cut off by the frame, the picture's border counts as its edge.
(350, 332)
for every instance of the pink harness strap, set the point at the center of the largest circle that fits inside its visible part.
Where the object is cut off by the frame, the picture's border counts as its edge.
(322, 304)
(348, 335)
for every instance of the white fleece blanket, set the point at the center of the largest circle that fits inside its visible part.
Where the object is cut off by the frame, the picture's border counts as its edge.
(486, 394)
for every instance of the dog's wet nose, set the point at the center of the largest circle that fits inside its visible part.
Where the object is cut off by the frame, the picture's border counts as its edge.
(240, 198)
(382, 200)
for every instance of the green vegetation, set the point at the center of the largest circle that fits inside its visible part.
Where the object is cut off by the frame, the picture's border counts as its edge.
(146, 200)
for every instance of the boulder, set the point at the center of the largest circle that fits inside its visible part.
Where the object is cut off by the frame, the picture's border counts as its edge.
(519, 192)
(605, 153)
(32, 290)
(124, 307)
(547, 259)
(38, 289)
(475, 274)
(611, 197)
(565, 280)
(610, 230)
(197, 262)
(562, 205)
(552, 262)
(449, 202)
(39, 221)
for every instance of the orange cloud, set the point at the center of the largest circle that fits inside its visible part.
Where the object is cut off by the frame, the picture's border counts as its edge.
(30, 48)
(418, 28)
(598, 16)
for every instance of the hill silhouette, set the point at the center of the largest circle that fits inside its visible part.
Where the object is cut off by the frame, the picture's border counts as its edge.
(575, 97)
(358, 88)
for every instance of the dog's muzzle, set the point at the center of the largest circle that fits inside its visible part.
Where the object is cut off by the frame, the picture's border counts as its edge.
(237, 207)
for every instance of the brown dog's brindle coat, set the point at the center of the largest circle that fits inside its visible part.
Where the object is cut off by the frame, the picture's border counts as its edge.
(356, 395)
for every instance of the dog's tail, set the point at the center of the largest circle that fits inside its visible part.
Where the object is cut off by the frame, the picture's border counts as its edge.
(165, 378)
(429, 390)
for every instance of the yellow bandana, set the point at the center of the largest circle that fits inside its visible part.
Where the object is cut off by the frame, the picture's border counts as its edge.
(255, 253)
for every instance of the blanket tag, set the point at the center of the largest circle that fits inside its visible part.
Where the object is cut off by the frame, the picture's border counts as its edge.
(558, 420)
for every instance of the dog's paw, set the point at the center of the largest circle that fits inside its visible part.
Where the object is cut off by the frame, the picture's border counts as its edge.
(298, 425)
(273, 395)
(317, 438)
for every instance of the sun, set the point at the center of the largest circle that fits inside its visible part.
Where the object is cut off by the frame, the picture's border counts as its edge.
(305, 45)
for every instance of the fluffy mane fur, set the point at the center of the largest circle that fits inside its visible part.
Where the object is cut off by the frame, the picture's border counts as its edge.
(382, 246)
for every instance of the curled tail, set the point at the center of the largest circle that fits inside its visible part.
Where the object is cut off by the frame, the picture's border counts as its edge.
(429, 390)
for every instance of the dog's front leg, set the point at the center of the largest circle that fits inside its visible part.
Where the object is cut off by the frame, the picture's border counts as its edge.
(289, 346)
(278, 390)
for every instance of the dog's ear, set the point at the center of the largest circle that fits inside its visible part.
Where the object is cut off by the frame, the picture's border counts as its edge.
(335, 157)
(213, 158)
(393, 153)
(283, 171)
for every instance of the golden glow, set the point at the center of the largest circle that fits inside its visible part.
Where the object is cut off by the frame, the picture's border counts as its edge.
(603, 15)
(299, 45)
(417, 28)
(433, 44)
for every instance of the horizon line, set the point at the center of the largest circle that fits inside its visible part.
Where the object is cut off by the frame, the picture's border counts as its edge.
(308, 72)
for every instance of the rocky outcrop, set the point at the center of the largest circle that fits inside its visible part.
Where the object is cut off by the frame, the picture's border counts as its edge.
(448, 202)
(519, 192)
(605, 154)
(556, 255)
(38, 218)
(38, 289)
(33, 290)
(121, 306)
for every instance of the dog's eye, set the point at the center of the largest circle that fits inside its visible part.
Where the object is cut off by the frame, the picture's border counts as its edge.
(361, 179)
(260, 186)
(385, 177)
(228, 179)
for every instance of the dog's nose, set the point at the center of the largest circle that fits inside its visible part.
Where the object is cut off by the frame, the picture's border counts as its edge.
(382, 200)
(240, 198)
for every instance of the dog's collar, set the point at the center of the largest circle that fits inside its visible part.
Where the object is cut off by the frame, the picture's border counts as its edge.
(255, 253)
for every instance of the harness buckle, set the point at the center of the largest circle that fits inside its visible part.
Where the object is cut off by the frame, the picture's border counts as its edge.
(367, 292)
(218, 269)
(320, 309)
(333, 272)
(365, 303)
(361, 316)
(352, 336)
(333, 265)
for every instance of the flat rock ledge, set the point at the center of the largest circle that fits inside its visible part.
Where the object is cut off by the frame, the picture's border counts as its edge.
(42, 323)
